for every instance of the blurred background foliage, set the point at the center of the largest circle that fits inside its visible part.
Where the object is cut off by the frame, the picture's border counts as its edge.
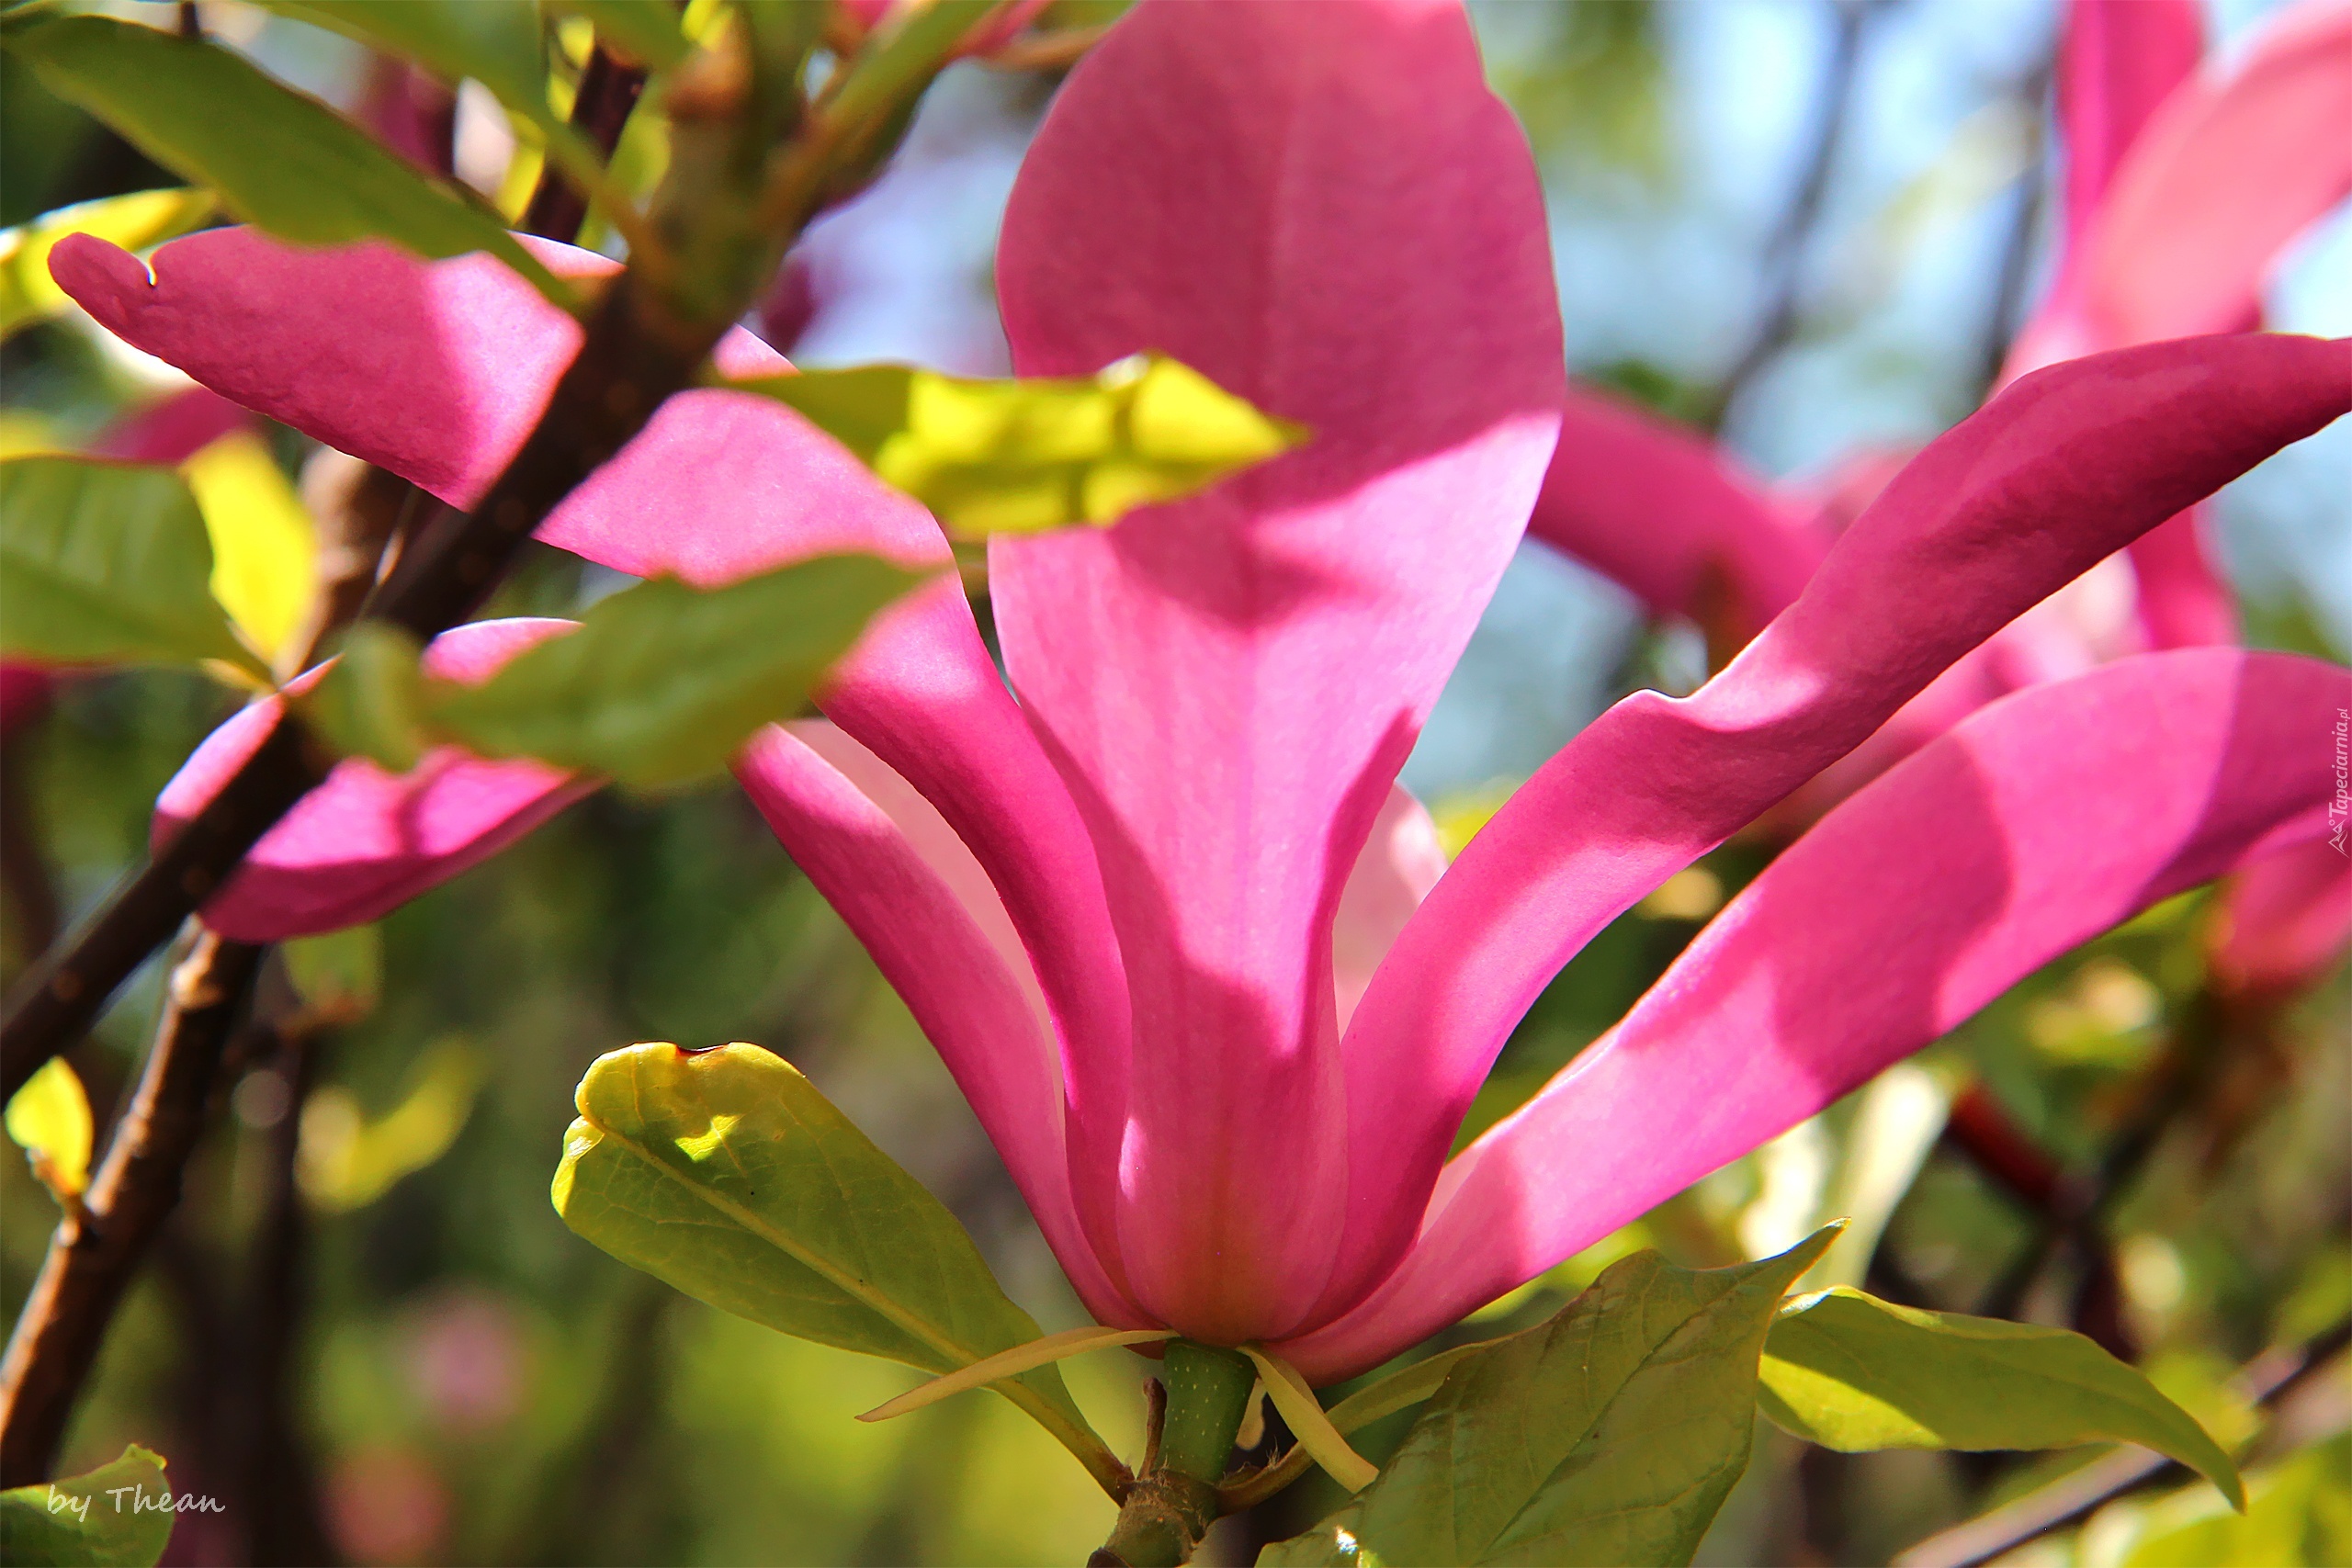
(369, 1333)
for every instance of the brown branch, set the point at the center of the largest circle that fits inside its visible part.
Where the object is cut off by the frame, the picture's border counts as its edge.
(2265, 1382)
(94, 1254)
(608, 91)
(1784, 253)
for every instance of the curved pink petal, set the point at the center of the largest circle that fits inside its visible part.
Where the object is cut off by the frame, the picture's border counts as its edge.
(1323, 209)
(2060, 470)
(436, 371)
(2288, 921)
(1662, 511)
(367, 842)
(922, 904)
(2039, 823)
(172, 430)
(2223, 177)
(1401, 860)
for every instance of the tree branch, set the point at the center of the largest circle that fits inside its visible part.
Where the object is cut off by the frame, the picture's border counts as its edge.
(2264, 1382)
(94, 1253)
(1784, 253)
(608, 91)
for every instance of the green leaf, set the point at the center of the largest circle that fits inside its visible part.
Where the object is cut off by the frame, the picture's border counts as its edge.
(646, 30)
(726, 1174)
(1852, 1372)
(1610, 1434)
(370, 702)
(107, 563)
(662, 683)
(500, 43)
(1022, 456)
(49, 1119)
(91, 1521)
(278, 159)
(28, 294)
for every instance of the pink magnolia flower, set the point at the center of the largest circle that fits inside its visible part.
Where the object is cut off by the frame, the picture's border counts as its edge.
(1159, 903)
(2182, 185)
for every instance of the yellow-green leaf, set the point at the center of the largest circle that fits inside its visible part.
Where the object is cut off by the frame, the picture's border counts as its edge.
(1610, 1434)
(1849, 1372)
(107, 563)
(28, 294)
(49, 1119)
(370, 702)
(662, 683)
(264, 546)
(96, 1520)
(645, 30)
(347, 1161)
(1022, 456)
(726, 1174)
(277, 159)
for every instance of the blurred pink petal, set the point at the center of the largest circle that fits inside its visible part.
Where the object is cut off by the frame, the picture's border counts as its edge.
(172, 430)
(25, 693)
(2058, 471)
(914, 896)
(2037, 824)
(1401, 862)
(2226, 174)
(1664, 513)
(367, 842)
(1229, 683)
(2286, 922)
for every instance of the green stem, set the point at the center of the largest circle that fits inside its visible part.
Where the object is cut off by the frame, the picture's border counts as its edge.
(1173, 1503)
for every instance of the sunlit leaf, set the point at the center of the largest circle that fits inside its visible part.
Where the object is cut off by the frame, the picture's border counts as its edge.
(1610, 1434)
(646, 30)
(264, 547)
(726, 1174)
(49, 1119)
(1853, 1372)
(89, 1521)
(1021, 456)
(338, 976)
(370, 702)
(277, 159)
(500, 43)
(347, 1161)
(28, 294)
(107, 563)
(662, 683)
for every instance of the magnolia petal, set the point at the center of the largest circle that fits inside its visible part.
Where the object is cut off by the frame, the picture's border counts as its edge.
(2286, 922)
(2060, 470)
(892, 869)
(436, 371)
(172, 430)
(2225, 174)
(367, 842)
(1401, 860)
(2037, 824)
(1323, 209)
(1664, 513)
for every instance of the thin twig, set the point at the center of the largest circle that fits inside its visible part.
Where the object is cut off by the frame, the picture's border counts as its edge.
(92, 1259)
(609, 92)
(2264, 1382)
(1785, 253)
(2002, 317)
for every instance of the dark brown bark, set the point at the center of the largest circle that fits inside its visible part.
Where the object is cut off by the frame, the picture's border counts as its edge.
(609, 92)
(92, 1256)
